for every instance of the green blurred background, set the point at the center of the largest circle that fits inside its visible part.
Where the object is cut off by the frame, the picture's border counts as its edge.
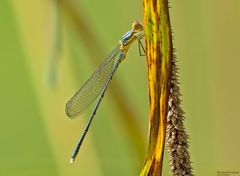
(46, 54)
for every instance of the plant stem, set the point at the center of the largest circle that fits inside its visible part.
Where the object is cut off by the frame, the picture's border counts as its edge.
(159, 53)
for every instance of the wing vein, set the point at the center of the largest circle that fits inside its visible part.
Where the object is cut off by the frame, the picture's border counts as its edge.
(92, 87)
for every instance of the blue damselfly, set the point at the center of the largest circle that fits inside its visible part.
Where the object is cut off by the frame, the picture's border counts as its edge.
(98, 82)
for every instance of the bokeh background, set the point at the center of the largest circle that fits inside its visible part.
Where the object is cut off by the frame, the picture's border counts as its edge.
(48, 49)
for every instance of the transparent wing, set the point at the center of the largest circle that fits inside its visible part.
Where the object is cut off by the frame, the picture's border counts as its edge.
(92, 87)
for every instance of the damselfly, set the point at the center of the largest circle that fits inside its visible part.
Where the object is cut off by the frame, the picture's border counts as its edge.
(97, 84)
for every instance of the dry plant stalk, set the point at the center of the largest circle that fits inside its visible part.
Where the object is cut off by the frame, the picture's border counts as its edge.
(164, 95)
(177, 143)
(159, 53)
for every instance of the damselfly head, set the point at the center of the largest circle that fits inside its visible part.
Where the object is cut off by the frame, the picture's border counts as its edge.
(137, 26)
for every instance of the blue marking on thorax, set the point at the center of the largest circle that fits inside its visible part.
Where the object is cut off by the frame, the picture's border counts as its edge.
(126, 37)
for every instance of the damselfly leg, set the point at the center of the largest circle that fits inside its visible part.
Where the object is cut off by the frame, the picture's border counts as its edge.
(141, 48)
